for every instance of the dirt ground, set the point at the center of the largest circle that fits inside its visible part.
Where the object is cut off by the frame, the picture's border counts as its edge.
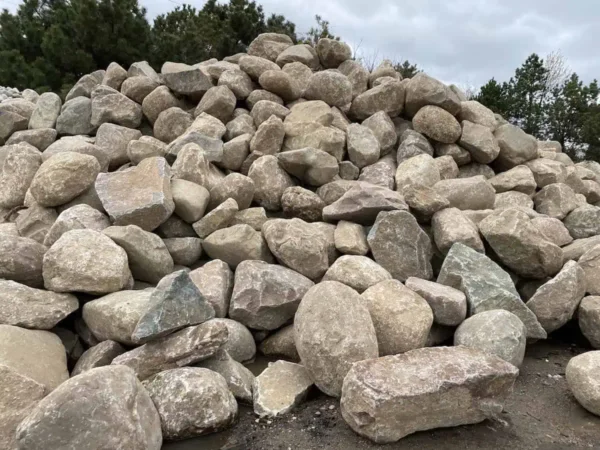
(540, 414)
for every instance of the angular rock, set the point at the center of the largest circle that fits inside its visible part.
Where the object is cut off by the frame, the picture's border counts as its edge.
(47, 110)
(40, 138)
(109, 105)
(498, 332)
(553, 229)
(588, 315)
(459, 154)
(219, 102)
(419, 170)
(486, 286)
(217, 219)
(185, 251)
(519, 178)
(424, 90)
(156, 101)
(450, 225)
(35, 222)
(192, 82)
(279, 388)
(387, 97)
(516, 147)
(555, 302)
(476, 113)
(402, 318)
(513, 199)
(63, 177)
(191, 199)
(120, 408)
(75, 117)
(332, 52)
(27, 307)
(75, 218)
(302, 203)
(357, 74)
(555, 200)
(263, 109)
(234, 186)
(268, 138)
(99, 355)
(467, 193)
(235, 244)
(297, 245)
(333, 330)
(424, 202)
(114, 140)
(21, 260)
(449, 305)
(546, 171)
(312, 165)
(418, 390)
(281, 344)
(363, 146)
(583, 222)
(270, 181)
(85, 261)
(138, 196)
(479, 141)
(350, 238)
(239, 379)
(358, 272)
(400, 246)
(215, 282)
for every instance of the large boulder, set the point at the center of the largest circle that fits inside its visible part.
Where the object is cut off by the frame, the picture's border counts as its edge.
(114, 140)
(269, 45)
(400, 246)
(332, 52)
(333, 330)
(27, 307)
(85, 261)
(467, 193)
(21, 260)
(138, 196)
(423, 90)
(520, 245)
(437, 124)
(19, 166)
(330, 86)
(479, 141)
(115, 401)
(237, 243)
(215, 282)
(77, 217)
(270, 181)
(47, 110)
(497, 332)
(266, 296)
(387, 398)
(486, 286)
(583, 222)
(516, 146)
(110, 106)
(387, 97)
(450, 226)
(191, 402)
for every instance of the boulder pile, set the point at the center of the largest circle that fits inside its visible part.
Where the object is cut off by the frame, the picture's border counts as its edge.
(390, 242)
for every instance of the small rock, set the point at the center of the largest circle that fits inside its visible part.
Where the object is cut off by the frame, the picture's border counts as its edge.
(235, 244)
(99, 355)
(239, 379)
(582, 378)
(358, 272)
(281, 344)
(350, 238)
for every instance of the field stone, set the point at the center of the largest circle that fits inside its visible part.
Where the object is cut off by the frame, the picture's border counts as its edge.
(588, 316)
(449, 305)
(417, 170)
(302, 204)
(263, 109)
(516, 147)
(268, 138)
(114, 140)
(234, 186)
(217, 219)
(18, 170)
(419, 390)
(424, 90)
(497, 332)
(238, 82)
(296, 245)
(75, 117)
(553, 230)
(215, 282)
(99, 355)
(21, 260)
(159, 99)
(182, 348)
(424, 202)
(190, 199)
(475, 169)
(547, 171)
(555, 302)
(138, 196)
(35, 354)
(301, 73)
(35, 222)
(85, 261)
(348, 171)
(63, 177)
(476, 113)
(583, 222)
(28, 307)
(437, 124)
(269, 45)
(281, 344)
(467, 193)
(239, 379)
(450, 225)
(387, 97)
(185, 251)
(302, 53)
(358, 272)
(109, 105)
(357, 74)
(114, 76)
(459, 154)
(363, 146)
(479, 141)
(40, 138)
(486, 286)
(46, 111)
(121, 409)
(330, 86)
(447, 167)
(193, 82)
(519, 178)
(235, 152)
(400, 246)
(76, 217)
(279, 388)
(513, 199)
(313, 166)
(350, 238)
(555, 200)
(582, 378)
(240, 344)
(175, 227)
(520, 245)
(332, 52)
(333, 330)
(401, 317)
(270, 182)
(235, 244)
(171, 123)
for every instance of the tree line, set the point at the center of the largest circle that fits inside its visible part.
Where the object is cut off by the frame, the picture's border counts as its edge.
(548, 100)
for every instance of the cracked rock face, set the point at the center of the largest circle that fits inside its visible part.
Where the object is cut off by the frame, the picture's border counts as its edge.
(387, 398)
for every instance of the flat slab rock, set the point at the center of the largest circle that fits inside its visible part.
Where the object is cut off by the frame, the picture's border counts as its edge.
(388, 398)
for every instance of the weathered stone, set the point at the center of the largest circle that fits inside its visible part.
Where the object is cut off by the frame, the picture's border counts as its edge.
(479, 141)
(255, 217)
(279, 388)
(192, 82)
(215, 282)
(270, 181)
(332, 53)
(63, 177)
(234, 186)
(138, 88)
(553, 230)
(475, 169)
(114, 76)
(193, 164)
(513, 199)
(175, 227)
(109, 105)
(77, 144)
(240, 343)
(582, 378)
(412, 144)
(588, 315)
(583, 222)
(35, 222)
(449, 305)
(459, 154)
(401, 317)
(297, 245)
(114, 140)
(75, 117)
(157, 101)
(400, 246)
(239, 379)
(418, 170)
(120, 408)
(424, 90)
(486, 286)
(467, 193)
(555, 302)
(302, 203)
(85, 261)
(238, 82)
(590, 263)
(555, 200)
(185, 251)
(302, 53)
(40, 138)
(350, 238)
(236, 151)
(387, 97)
(520, 245)
(182, 348)
(475, 112)
(47, 110)
(437, 124)
(217, 219)
(269, 45)
(333, 329)
(138, 196)
(328, 139)
(519, 178)
(191, 199)
(330, 86)
(235, 244)
(424, 202)
(85, 85)
(497, 332)
(358, 272)
(357, 74)
(21, 260)
(38, 355)
(546, 171)
(450, 225)
(75, 218)
(172, 123)
(312, 165)
(27, 307)
(209, 147)
(264, 109)
(299, 72)
(419, 390)
(99, 355)
(268, 138)
(281, 344)
(363, 146)
(516, 147)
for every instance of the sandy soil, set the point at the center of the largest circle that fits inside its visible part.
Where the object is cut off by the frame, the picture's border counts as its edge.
(540, 414)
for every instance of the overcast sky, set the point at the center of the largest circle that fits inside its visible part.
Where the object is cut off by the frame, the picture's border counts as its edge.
(461, 41)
